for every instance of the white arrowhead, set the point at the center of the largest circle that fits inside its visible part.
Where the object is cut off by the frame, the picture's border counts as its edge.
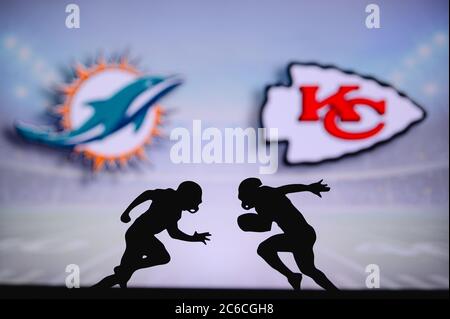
(309, 142)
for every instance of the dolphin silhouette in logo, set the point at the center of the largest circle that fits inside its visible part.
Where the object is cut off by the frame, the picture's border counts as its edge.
(109, 115)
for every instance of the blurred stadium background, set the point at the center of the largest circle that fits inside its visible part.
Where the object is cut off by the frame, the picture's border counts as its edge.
(387, 207)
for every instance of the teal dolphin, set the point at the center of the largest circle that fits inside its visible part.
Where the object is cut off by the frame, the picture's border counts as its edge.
(109, 115)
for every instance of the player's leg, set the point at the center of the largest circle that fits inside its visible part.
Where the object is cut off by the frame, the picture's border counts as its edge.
(154, 254)
(107, 282)
(122, 273)
(129, 263)
(140, 255)
(269, 249)
(304, 257)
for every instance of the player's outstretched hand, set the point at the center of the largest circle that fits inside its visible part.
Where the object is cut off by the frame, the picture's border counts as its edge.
(203, 237)
(319, 187)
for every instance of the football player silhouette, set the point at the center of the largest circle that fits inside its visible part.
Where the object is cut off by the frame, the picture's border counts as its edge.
(272, 205)
(143, 249)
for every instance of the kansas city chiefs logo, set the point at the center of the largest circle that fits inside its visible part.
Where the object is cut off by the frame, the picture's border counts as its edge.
(326, 113)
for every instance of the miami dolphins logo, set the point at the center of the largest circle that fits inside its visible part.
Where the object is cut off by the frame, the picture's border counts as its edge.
(110, 112)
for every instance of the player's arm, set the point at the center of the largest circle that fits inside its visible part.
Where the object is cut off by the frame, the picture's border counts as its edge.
(293, 188)
(176, 233)
(315, 188)
(254, 223)
(145, 196)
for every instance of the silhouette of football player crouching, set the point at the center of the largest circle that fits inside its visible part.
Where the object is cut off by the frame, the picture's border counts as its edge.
(272, 205)
(143, 249)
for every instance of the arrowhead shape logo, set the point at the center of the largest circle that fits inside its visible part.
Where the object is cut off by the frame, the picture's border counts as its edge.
(326, 113)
